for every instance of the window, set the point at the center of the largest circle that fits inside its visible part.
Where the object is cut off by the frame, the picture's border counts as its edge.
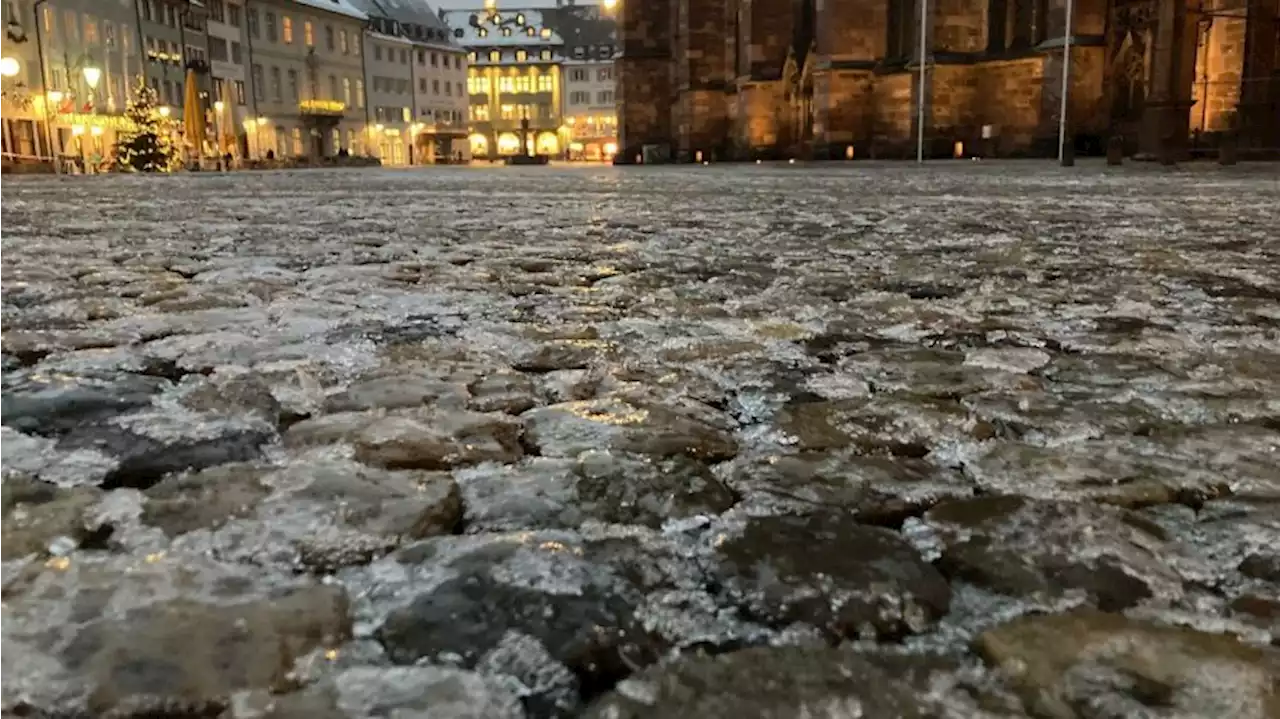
(521, 55)
(171, 16)
(286, 29)
(546, 33)
(359, 93)
(524, 83)
(545, 83)
(480, 113)
(296, 135)
(293, 85)
(346, 91)
(578, 75)
(258, 84)
(333, 87)
(239, 84)
(520, 18)
(236, 55)
(342, 42)
(90, 31)
(604, 74)
(217, 11)
(329, 42)
(217, 49)
(71, 26)
(435, 60)
(545, 55)
(459, 33)
(233, 15)
(276, 92)
(308, 35)
(448, 89)
(271, 26)
(495, 56)
(506, 32)
(405, 114)
(148, 14)
(508, 112)
(530, 31)
(478, 85)
(901, 30)
(459, 86)
(482, 32)
(422, 84)
(251, 19)
(506, 84)
(422, 57)
(355, 44)
(604, 97)
(471, 56)
(109, 34)
(435, 87)
(404, 57)
(377, 52)
(579, 98)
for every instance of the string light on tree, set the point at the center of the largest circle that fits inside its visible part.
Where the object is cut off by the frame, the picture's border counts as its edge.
(147, 147)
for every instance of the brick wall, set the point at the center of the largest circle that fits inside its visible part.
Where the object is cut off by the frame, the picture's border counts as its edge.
(1009, 96)
(760, 109)
(959, 25)
(851, 29)
(768, 36)
(644, 76)
(843, 107)
(892, 111)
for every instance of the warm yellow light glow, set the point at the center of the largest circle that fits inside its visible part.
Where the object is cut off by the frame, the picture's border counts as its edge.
(92, 75)
(697, 156)
(218, 106)
(378, 127)
(570, 121)
(508, 144)
(322, 107)
(848, 152)
(77, 130)
(611, 148)
(9, 66)
(262, 120)
(164, 111)
(958, 150)
(96, 130)
(55, 96)
(609, 4)
(248, 123)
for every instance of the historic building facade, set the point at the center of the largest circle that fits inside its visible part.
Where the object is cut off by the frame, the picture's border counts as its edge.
(735, 79)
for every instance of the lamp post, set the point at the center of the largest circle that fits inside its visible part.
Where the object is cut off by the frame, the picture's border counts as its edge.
(92, 75)
(44, 87)
(218, 106)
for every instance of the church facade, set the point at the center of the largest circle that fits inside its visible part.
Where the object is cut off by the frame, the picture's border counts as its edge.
(743, 79)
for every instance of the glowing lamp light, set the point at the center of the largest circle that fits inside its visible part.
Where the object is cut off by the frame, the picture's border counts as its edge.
(262, 120)
(92, 75)
(609, 4)
(218, 106)
(55, 96)
(958, 150)
(164, 110)
(848, 152)
(96, 131)
(248, 123)
(610, 148)
(77, 130)
(9, 66)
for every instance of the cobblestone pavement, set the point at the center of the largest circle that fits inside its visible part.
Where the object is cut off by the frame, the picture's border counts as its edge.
(974, 440)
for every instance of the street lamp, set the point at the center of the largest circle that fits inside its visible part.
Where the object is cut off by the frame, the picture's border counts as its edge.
(9, 66)
(218, 106)
(164, 110)
(91, 76)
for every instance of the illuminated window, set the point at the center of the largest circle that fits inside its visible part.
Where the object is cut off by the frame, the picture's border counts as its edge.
(481, 113)
(307, 36)
(530, 31)
(483, 32)
(286, 29)
(495, 56)
(546, 83)
(520, 19)
(508, 112)
(471, 56)
(506, 32)
(521, 56)
(524, 83)
(545, 54)
(546, 32)
(506, 84)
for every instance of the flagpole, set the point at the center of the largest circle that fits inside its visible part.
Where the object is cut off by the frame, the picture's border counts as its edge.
(924, 39)
(1066, 85)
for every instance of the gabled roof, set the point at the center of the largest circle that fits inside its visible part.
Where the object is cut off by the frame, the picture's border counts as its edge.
(341, 7)
(502, 28)
(413, 15)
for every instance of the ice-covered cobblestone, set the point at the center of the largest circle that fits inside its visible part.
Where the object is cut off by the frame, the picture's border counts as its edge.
(471, 442)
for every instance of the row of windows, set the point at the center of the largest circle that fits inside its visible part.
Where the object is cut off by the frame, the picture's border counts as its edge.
(507, 32)
(218, 51)
(520, 55)
(581, 74)
(339, 40)
(582, 97)
(404, 114)
(436, 57)
(286, 87)
(480, 85)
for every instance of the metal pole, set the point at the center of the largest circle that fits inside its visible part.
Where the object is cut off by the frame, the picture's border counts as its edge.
(44, 89)
(1066, 84)
(924, 40)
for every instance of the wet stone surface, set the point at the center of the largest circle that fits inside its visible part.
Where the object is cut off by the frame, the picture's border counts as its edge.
(981, 440)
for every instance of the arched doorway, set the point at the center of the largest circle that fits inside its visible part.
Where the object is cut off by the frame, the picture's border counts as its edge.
(479, 145)
(508, 143)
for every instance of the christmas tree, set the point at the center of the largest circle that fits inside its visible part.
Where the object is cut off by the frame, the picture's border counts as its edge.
(147, 147)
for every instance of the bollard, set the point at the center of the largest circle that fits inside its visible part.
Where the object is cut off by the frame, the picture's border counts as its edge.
(1115, 150)
(1069, 152)
(1228, 150)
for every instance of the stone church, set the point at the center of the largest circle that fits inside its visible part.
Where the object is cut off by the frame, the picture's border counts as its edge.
(742, 79)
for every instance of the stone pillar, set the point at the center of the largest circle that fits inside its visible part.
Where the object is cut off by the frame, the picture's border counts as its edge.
(1258, 114)
(644, 77)
(851, 38)
(1166, 119)
(700, 79)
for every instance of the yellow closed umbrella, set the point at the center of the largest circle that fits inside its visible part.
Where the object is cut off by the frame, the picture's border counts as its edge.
(192, 114)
